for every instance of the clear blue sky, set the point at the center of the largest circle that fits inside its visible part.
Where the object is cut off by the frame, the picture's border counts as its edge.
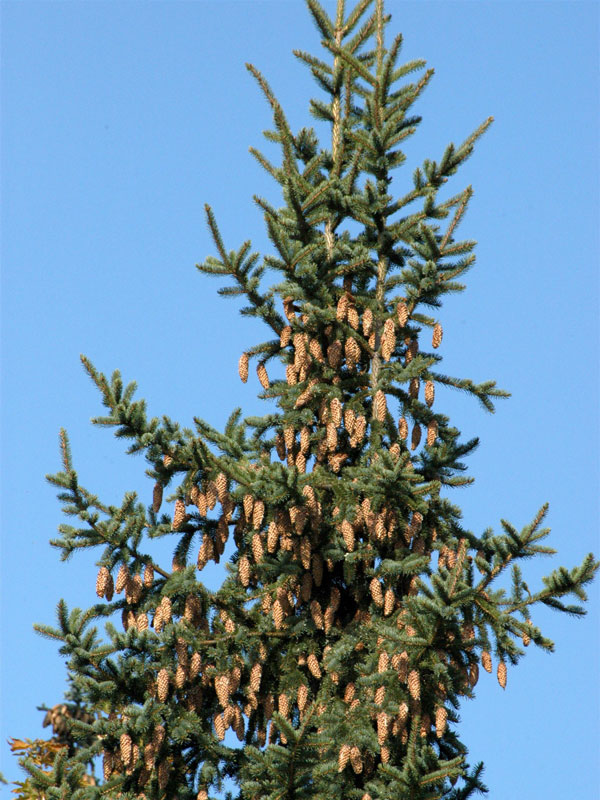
(121, 119)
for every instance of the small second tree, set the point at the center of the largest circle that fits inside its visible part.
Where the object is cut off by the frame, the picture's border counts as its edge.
(357, 609)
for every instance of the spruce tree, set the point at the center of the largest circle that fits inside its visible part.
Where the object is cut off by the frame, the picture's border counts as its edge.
(356, 609)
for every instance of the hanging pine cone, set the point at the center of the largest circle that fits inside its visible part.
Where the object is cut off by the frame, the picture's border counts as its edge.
(122, 578)
(348, 535)
(367, 322)
(436, 339)
(141, 622)
(526, 636)
(278, 615)
(382, 727)
(219, 722)
(342, 308)
(352, 352)
(379, 406)
(402, 314)
(360, 428)
(429, 393)
(502, 674)
(486, 661)
(343, 757)
(165, 609)
(334, 354)
(291, 375)
(179, 514)
(148, 578)
(402, 428)
(243, 367)
(125, 746)
(414, 684)
(157, 495)
(413, 388)
(376, 592)
(285, 336)
(162, 685)
(353, 318)
(244, 571)
(389, 602)
(379, 695)
(356, 760)
(302, 696)
(248, 505)
(432, 432)
(313, 665)
(317, 614)
(261, 371)
(441, 718)
(388, 339)
(258, 514)
(102, 581)
(415, 437)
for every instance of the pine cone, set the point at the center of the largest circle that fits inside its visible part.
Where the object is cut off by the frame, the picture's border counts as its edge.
(258, 514)
(502, 674)
(122, 577)
(356, 760)
(334, 354)
(291, 375)
(148, 579)
(314, 348)
(255, 677)
(414, 684)
(379, 406)
(413, 388)
(219, 722)
(429, 393)
(411, 350)
(360, 428)
(141, 622)
(376, 592)
(486, 661)
(389, 602)
(436, 339)
(403, 428)
(162, 684)
(317, 614)
(367, 322)
(102, 581)
(432, 432)
(157, 495)
(352, 352)
(344, 757)
(179, 514)
(348, 535)
(416, 436)
(379, 695)
(285, 336)
(402, 314)
(313, 665)
(278, 615)
(353, 319)
(388, 339)
(261, 371)
(382, 727)
(243, 367)
(244, 571)
(441, 718)
(342, 308)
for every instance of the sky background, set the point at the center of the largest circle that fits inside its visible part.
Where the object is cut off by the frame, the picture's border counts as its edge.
(120, 120)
